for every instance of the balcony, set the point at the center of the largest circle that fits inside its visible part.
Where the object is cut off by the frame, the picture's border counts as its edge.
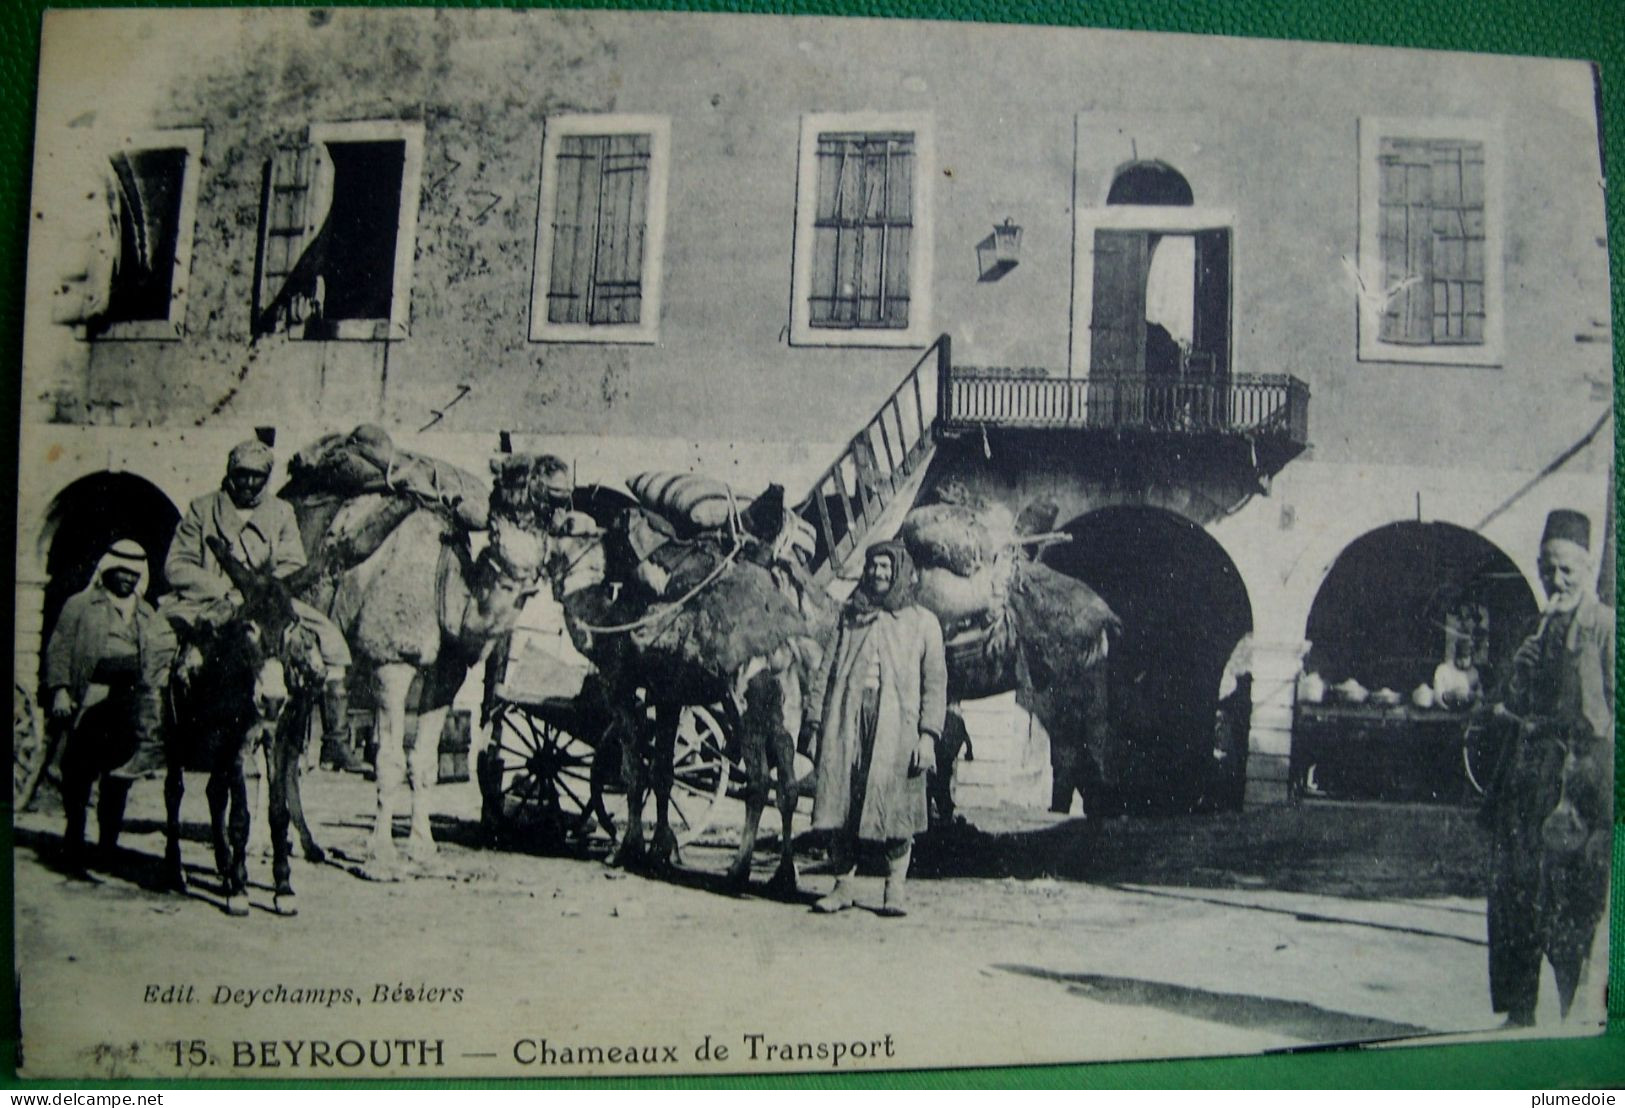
(1268, 414)
(1266, 406)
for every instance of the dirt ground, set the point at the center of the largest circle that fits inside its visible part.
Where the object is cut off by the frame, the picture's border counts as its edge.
(1032, 938)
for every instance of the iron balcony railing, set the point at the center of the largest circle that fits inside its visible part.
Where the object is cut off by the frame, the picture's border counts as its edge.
(1273, 405)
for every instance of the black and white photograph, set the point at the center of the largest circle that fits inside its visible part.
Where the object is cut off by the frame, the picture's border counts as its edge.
(559, 544)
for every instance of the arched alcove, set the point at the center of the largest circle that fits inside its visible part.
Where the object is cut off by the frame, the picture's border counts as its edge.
(86, 517)
(1184, 609)
(1379, 616)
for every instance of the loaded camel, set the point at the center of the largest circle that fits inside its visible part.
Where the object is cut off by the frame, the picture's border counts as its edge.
(394, 563)
(722, 616)
(700, 621)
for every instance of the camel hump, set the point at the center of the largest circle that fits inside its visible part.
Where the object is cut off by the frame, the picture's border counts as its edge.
(366, 461)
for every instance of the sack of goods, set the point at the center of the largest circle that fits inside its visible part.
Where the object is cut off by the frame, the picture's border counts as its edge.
(963, 601)
(957, 538)
(367, 461)
(965, 558)
(691, 502)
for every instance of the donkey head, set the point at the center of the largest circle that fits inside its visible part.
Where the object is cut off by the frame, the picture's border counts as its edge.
(262, 654)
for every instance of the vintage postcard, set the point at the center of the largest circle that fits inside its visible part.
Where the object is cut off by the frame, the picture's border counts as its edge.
(559, 543)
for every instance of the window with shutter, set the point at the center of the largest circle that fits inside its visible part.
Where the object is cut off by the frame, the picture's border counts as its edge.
(1429, 242)
(862, 248)
(600, 229)
(132, 262)
(337, 230)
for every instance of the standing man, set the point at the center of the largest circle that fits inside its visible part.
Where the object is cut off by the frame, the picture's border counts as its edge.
(264, 535)
(105, 665)
(1550, 808)
(884, 702)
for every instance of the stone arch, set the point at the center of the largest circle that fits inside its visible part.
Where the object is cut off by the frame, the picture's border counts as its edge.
(85, 517)
(1152, 182)
(1185, 611)
(1378, 614)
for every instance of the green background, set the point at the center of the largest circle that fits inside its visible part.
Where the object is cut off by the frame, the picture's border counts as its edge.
(1590, 29)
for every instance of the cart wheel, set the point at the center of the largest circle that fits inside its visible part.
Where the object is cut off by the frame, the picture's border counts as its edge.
(702, 772)
(30, 750)
(536, 777)
(1480, 751)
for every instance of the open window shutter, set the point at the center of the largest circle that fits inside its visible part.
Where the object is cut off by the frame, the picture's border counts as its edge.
(85, 284)
(136, 212)
(1117, 322)
(298, 194)
(1210, 347)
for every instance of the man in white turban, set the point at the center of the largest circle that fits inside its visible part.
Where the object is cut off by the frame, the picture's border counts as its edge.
(105, 666)
(263, 533)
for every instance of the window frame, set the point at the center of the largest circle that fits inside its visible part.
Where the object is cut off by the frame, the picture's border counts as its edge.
(555, 129)
(1151, 219)
(397, 325)
(919, 331)
(173, 326)
(1372, 347)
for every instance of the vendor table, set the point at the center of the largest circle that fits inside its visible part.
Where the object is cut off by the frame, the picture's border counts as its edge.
(1374, 752)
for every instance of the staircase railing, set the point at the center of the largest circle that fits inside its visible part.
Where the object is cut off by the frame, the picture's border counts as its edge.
(850, 496)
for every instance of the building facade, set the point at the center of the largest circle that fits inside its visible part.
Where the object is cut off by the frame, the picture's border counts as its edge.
(1258, 321)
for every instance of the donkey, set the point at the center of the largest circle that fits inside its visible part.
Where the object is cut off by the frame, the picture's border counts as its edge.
(259, 679)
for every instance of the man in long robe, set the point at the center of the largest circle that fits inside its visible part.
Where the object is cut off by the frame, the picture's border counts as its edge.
(884, 702)
(1550, 809)
(105, 665)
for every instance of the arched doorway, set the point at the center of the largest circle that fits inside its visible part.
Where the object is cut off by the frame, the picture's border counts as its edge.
(1184, 610)
(1382, 619)
(84, 518)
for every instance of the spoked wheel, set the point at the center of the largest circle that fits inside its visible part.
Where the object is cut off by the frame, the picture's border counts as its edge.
(536, 777)
(702, 772)
(1481, 752)
(30, 749)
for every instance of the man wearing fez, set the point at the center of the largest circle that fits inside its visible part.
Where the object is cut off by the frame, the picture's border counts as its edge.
(884, 701)
(263, 533)
(1550, 806)
(105, 665)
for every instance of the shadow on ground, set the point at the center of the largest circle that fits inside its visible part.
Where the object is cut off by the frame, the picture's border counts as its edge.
(1294, 1018)
(1368, 851)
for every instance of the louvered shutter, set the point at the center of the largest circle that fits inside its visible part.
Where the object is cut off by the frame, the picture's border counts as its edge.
(298, 195)
(575, 228)
(617, 271)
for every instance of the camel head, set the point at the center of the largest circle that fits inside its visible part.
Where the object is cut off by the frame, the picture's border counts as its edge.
(530, 489)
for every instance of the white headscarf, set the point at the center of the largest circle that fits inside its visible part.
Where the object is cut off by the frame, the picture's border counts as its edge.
(123, 554)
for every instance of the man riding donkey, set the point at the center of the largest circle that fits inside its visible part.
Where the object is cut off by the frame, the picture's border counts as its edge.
(105, 665)
(263, 534)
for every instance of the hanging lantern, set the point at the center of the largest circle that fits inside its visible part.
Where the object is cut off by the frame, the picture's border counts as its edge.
(1007, 241)
(998, 253)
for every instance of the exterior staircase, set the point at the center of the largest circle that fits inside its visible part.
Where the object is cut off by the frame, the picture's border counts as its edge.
(864, 495)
